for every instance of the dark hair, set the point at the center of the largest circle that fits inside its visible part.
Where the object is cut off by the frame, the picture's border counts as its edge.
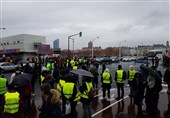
(46, 88)
(119, 66)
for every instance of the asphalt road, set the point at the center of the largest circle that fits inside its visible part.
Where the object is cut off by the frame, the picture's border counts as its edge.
(102, 108)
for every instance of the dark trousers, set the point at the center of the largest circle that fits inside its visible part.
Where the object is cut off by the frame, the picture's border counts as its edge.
(106, 87)
(120, 86)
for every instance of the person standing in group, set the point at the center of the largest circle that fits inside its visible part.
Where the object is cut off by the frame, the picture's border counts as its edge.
(120, 77)
(138, 88)
(3, 86)
(106, 80)
(69, 96)
(85, 89)
(95, 73)
(51, 103)
(131, 74)
(11, 103)
(167, 81)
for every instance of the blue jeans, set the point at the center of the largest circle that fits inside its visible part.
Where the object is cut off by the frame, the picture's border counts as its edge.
(87, 110)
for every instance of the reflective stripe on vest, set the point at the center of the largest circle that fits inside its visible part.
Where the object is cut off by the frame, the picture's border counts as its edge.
(131, 75)
(85, 93)
(120, 76)
(106, 77)
(3, 88)
(42, 78)
(60, 85)
(11, 102)
(68, 89)
(77, 98)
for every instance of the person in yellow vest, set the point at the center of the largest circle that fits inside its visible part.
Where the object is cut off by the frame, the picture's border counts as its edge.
(85, 89)
(131, 74)
(106, 82)
(11, 103)
(120, 77)
(3, 86)
(62, 81)
(70, 95)
(72, 63)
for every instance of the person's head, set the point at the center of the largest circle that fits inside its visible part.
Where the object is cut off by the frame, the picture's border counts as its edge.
(131, 67)
(107, 70)
(45, 90)
(119, 67)
(138, 75)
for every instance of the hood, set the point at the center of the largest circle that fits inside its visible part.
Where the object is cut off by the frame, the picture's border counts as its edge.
(56, 96)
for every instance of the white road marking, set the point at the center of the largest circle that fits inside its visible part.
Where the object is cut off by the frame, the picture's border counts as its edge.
(108, 106)
(101, 94)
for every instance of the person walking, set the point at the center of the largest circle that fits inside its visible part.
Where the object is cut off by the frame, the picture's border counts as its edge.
(51, 103)
(106, 80)
(120, 77)
(85, 89)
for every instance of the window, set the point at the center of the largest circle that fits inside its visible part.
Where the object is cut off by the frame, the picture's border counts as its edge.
(18, 42)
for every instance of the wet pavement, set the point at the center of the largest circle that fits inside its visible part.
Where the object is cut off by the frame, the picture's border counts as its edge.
(102, 108)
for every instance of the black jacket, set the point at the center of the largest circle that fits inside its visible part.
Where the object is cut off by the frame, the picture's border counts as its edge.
(50, 110)
(167, 76)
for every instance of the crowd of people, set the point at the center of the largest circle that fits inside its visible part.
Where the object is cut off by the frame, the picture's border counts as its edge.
(61, 89)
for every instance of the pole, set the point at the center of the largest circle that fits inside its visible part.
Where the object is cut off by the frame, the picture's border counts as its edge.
(68, 46)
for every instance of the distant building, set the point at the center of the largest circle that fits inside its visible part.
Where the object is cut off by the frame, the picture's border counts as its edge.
(22, 45)
(56, 44)
(56, 47)
(90, 44)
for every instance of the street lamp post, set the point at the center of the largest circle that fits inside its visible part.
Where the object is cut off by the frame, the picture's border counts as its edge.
(120, 47)
(69, 37)
(92, 46)
(73, 43)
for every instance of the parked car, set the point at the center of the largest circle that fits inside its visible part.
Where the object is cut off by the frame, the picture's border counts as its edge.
(106, 60)
(7, 66)
(115, 60)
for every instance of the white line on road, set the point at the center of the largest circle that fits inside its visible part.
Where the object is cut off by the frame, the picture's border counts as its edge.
(109, 106)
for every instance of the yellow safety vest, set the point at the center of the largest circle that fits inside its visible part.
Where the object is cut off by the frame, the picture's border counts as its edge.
(120, 76)
(106, 77)
(77, 98)
(49, 66)
(60, 85)
(72, 62)
(11, 102)
(75, 67)
(42, 79)
(85, 93)
(131, 75)
(3, 87)
(68, 89)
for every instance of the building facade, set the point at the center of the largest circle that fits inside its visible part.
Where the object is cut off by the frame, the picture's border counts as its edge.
(22, 45)
(56, 44)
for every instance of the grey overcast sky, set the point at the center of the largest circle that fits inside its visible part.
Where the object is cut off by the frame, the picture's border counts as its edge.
(113, 21)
